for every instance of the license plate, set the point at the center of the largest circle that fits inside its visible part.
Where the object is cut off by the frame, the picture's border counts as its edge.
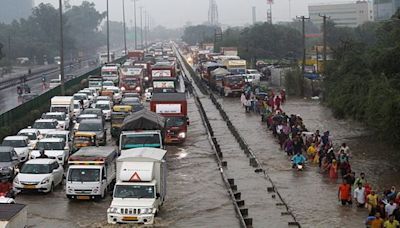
(29, 186)
(130, 218)
(83, 197)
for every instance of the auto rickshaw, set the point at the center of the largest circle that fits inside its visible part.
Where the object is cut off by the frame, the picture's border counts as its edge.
(84, 139)
(117, 118)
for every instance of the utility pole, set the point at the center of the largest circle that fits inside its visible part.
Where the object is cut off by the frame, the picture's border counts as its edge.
(145, 28)
(123, 14)
(303, 64)
(134, 15)
(108, 36)
(141, 26)
(61, 50)
(324, 17)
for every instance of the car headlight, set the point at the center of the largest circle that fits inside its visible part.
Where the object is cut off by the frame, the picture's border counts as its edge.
(146, 211)
(123, 88)
(70, 190)
(182, 135)
(137, 89)
(113, 210)
(16, 181)
(45, 180)
(146, 78)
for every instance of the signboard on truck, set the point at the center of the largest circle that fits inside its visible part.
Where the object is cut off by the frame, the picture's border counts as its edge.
(164, 84)
(160, 73)
(168, 108)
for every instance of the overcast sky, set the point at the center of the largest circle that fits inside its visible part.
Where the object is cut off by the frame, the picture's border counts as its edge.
(175, 13)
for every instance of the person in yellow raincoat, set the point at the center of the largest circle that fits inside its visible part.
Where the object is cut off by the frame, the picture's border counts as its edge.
(311, 151)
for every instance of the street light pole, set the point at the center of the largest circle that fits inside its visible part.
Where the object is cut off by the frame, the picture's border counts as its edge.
(123, 14)
(141, 26)
(108, 36)
(61, 50)
(134, 15)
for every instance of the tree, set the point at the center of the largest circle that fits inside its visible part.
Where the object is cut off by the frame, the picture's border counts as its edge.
(198, 34)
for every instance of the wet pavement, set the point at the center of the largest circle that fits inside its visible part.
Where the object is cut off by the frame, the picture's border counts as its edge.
(9, 98)
(196, 195)
(311, 195)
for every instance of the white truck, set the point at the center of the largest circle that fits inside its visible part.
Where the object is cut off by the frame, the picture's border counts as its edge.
(141, 186)
(63, 104)
(91, 173)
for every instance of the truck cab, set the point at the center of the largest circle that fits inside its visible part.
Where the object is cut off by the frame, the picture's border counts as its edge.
(173, 107)
(110, 73)
(91, 173)
(140, 188)
(137, 139)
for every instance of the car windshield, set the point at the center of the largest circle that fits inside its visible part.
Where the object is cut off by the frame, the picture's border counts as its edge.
(84, 175)
(14, 143)
(134, 191)
(36, 168)
(59, 109)
(56, 136)
(103, 106)
(5, 157)
(131, 82)
(45, 125)
(175, 121)
(96, 126)
(234, 80)
(91, 111)
(50, 145)
(95, 83)
(140, 140)
(82, 139)
(30, 135)
(237, 71)
(80, 97)
(130, 100)
(108, 73)
(54, 116)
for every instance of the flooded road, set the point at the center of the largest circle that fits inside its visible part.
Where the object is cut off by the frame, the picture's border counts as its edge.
(311, 195)
(196, 195)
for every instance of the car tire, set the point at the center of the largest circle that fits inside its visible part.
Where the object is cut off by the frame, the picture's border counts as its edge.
(51, 188)
(104, 194)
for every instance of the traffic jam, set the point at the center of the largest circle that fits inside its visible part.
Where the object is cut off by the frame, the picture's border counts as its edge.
(107, 139)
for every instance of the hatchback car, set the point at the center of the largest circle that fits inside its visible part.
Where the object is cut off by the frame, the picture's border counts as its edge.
(46, 125)
(20, 145)
(9, 162)
(41, 175)
(61, 117)
(33, 135)
(105, 107)
(54, 148)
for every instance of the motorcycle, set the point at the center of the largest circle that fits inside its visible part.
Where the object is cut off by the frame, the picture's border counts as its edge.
(299, 166)
(6, 199)
(19, 91)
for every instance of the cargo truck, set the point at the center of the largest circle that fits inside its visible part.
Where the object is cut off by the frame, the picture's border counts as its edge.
(109, 72)
(130, 80)
(136, 55)
(173, 106)
(140, 189)
(143, 128)
(63, 104)
(91, 173)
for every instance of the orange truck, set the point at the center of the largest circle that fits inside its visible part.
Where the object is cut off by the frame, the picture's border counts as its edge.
(173, 106)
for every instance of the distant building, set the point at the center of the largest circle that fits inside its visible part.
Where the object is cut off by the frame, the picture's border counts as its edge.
(350, 14)
(14, 10)
(384, 9)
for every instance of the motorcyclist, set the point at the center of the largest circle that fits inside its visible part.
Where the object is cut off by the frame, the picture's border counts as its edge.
(298, 159)
(42, 154)
(19, 90)
(27, 88)
(43, 78)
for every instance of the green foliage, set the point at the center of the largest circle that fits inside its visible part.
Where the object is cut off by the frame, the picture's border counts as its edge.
(293, 82)
(363, 81)
(198, 34)
(39, 34)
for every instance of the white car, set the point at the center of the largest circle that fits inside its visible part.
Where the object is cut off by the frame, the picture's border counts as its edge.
(82, 97)
(77, 109)
(41, 175)
(46, 125)
(20, 145)
(252, 76)
(148, 94)
(105, 98)
(89, 93)
(61, 117)
(105, 107)
(33, 135)
(61, 135)
(54, 148)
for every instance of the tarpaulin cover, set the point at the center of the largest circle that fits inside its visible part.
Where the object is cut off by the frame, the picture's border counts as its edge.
(143, 120)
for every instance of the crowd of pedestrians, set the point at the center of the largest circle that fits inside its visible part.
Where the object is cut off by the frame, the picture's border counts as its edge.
(318, 149)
